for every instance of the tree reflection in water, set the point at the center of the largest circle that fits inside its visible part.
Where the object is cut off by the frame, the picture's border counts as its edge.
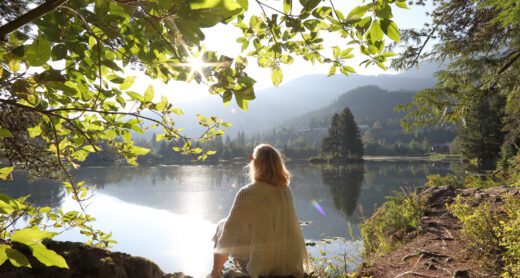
(344, 183)
(42, 192)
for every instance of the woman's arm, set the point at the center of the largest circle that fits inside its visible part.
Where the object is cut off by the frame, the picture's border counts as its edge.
(218, 263)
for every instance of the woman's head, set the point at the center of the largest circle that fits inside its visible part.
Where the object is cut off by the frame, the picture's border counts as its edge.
(267, 165)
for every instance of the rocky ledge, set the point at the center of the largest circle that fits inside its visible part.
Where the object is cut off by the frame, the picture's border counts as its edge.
(87, 261)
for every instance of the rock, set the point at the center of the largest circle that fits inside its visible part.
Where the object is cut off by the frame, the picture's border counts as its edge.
(460, 273)
(86, 261)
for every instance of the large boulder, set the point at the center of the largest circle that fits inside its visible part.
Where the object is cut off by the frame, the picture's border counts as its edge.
(86, 261)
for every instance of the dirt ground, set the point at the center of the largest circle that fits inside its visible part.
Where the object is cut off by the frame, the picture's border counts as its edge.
(438, 250)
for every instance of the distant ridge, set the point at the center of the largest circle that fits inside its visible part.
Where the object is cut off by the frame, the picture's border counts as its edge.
(278, 105)
(368, 104)
(275, 106)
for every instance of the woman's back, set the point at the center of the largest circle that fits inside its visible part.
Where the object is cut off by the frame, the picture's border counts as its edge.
(262, 232)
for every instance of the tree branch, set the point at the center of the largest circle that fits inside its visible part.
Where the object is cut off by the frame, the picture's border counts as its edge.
(30, 16)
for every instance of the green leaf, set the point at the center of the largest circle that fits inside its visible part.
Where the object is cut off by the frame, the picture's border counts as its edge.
(347, 69)
(39, 52)
(241, 102)
(177, 111)
(148, 94)
(30, 236)
(59, 52)
(390, 29)
(287, 4)
(139, 150)
(3, 253)
(4, 133)
(309, 5)
(129, 81)
(16, 258)
(358, 11)
(5, 173)
(384, 12)
(276, 76)
(322, 12)
(34, 131)
(207, 13)
(375, 31)
(336, 51)
(135, 96)
(332, 71)
(345, 54)
(47, 257)
(389, 54)
(402, 4)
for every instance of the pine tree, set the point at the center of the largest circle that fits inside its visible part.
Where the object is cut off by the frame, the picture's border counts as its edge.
(343, 140)
(331, 143)
(351, 145)
(481, 137)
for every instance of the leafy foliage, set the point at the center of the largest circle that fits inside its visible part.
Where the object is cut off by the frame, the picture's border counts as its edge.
(492, 232)
(383, 231)
(38, 220)
(479, 41)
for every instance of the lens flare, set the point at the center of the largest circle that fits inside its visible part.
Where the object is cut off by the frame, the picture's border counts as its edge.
(317, 206)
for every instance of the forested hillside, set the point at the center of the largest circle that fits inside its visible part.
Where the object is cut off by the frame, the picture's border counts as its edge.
(375, 112)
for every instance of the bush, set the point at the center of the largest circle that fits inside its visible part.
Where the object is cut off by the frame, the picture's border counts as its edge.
(474, 181)
(388, 227)
(492, 232)
(448, 180)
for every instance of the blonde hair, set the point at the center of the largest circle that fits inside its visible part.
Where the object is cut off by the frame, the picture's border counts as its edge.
(267, 165)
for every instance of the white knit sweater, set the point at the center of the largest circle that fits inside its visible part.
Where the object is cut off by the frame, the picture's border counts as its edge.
(262, 232)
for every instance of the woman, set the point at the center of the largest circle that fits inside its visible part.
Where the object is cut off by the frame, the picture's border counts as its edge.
(262, 233)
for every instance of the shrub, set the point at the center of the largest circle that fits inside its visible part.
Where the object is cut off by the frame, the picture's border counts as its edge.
(388, 227)
(470, 181)
(449, 180)
(492, 232)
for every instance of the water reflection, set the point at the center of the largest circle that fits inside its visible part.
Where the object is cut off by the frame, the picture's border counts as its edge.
(168, 213)
(345, 184)
(175, 242)
(43, 192)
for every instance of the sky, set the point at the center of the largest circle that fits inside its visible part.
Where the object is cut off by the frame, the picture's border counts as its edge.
(221, 38)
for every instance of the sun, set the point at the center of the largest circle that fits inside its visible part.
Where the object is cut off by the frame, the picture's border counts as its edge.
(197, 65)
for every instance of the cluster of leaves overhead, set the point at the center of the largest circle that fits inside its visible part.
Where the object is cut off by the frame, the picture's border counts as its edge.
(66, 75)
(295, 30)
(479, 41)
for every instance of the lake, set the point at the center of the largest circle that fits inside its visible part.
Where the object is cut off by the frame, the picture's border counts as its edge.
(168, 213)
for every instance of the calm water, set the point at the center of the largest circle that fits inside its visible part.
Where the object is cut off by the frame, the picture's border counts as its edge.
(168, 214)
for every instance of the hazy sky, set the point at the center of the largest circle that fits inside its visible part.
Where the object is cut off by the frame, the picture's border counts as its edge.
(222, 39)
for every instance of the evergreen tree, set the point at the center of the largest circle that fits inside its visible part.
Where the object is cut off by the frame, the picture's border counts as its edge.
(481, 137)
(350, 139)
(331, 143)
(343, 140)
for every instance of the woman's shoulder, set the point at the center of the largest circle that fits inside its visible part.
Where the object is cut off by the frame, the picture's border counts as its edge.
(262, 188)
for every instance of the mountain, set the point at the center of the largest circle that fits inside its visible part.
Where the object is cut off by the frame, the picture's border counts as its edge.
(367, 103)
(277, 105)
